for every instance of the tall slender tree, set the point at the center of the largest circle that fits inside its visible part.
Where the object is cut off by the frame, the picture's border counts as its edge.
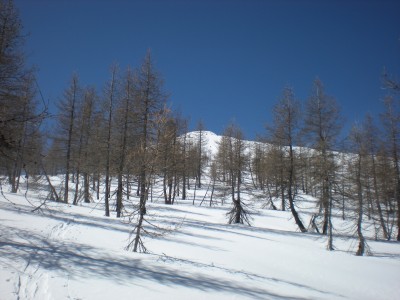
(284, 133)
(200, 157)
(67, 120)
(150, 103)
(127, 117)
(110, 98)
(391, 122)
(357, 168)
(168, 157)
(19, 115)
(88, 163)
(184, 156)
(234, 148)
(372, 143)
(322, 125)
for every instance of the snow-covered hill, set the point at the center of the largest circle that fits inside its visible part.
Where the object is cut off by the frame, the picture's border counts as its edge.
(211, 141)
(74, 252)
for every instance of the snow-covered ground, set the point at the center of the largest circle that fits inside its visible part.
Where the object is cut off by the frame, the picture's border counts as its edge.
(74, 252)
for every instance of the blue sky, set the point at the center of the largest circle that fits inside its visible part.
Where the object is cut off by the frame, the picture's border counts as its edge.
(221, 60)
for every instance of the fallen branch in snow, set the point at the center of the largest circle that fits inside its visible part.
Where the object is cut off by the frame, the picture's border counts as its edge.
(53, 190)
(313, 224)
(154, 231)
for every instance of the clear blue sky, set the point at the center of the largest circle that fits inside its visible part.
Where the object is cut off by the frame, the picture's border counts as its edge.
(222, 60)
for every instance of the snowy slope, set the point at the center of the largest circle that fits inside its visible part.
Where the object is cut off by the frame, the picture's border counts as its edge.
(210, 140)
(66, 252)
(74, 252)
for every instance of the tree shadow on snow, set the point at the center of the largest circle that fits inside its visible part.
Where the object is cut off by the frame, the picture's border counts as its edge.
(83, 261)
(103, 223)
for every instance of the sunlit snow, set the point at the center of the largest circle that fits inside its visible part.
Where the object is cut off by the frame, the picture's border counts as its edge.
(74, 252)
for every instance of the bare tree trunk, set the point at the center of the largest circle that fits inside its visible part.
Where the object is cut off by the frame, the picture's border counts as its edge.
(325, 205)
(184, 168)
(138, 187)
(53, 190)
(329, 221)
(194, 193)
(98, 187)
(86, 187)
(237, 203)
(74, 88)
(75, 202)
(212, 191)
(169, 191)
(175, 189)
(150, 105)
(361, 244)
(128, 186)
(378, 200)
(123, 147)
(290, 191)
(78, 167)
(143, 167)
(165, 187)
(200, 128)
(138, 241)
(108, 153)
(282, 184)
(19, 157)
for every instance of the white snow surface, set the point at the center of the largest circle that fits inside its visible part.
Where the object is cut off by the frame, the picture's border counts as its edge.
(211, 141)
(74, 252)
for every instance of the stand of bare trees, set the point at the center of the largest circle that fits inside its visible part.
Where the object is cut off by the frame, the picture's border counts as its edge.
(124, 139)
(302, 154)
(284, 133)
(391, 122)
(150, 103)
(234, 162)
(20, 113)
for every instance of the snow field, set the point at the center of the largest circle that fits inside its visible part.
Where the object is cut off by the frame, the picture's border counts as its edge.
(74, 252)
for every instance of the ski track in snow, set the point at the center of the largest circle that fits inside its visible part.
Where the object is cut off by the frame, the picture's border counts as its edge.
(33, 281)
